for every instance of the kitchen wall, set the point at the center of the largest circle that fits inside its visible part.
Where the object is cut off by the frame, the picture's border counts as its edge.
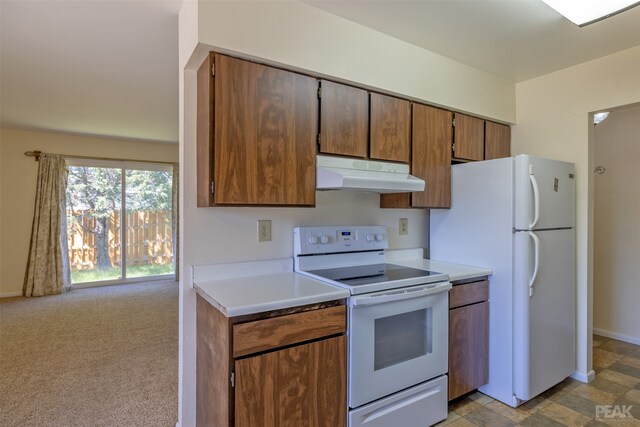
(554, 121)
(297, 35)
(18, 185)
(303, 38)
(616, 245)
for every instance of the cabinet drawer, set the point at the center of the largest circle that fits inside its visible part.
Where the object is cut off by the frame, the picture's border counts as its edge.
(267, 334)
(469, 293)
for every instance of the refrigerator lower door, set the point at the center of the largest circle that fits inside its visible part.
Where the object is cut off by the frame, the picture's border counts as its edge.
(544, 310)
(544, 193)
(419, 406)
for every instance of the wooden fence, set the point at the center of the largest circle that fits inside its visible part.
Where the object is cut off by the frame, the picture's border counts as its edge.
(149, 239)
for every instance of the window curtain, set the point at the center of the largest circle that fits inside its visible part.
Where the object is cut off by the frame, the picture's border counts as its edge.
(175, 216)
(48, 269)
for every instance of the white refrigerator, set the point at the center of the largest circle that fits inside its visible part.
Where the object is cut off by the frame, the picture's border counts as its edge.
(517, 216)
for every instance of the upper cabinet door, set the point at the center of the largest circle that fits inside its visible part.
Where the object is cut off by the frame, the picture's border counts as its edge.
(390, 124)
(266, 123)
(497, 141)
(431, 156)
(344, 119)
(469, 138)
(204, 133)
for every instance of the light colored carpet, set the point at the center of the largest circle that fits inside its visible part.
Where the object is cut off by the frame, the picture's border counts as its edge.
(103, 356)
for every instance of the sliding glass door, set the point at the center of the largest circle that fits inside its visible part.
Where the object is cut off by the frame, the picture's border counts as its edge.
(94, 203)
(119, 221)
(149, 236)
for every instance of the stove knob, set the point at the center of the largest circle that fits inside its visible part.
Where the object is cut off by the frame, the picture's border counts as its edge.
(324, 239)
(379, 237)
(371, 237)
(313, 240)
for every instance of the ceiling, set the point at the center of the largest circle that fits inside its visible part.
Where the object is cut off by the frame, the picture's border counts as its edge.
(515, 39)
(91, 67)
(110, 67)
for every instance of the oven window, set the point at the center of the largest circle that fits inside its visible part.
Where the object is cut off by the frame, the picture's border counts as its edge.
(402, 337)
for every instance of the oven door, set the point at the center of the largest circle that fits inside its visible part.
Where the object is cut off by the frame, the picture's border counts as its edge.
(397, 338)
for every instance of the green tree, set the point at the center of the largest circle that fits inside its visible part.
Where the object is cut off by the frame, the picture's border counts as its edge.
(148, 190)
(96, 192)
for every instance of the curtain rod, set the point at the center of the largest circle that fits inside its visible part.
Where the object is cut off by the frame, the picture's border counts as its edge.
(36, 154)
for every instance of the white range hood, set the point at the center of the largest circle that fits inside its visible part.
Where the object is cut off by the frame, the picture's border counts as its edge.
(342, 173)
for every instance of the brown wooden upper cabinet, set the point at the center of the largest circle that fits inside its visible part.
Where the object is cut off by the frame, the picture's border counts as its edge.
(497, 142)
(390, 128)
(432, 133)
(256, 134)
(468, 138)
(344, 119)
(430, 160)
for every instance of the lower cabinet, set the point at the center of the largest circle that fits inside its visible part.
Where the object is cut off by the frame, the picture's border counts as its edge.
(468, 337)
(297, 386)
(279, 368)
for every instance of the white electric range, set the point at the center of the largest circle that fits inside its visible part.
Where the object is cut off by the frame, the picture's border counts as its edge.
(397, 325)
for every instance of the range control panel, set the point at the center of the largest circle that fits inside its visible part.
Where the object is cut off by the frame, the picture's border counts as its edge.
(327, 240)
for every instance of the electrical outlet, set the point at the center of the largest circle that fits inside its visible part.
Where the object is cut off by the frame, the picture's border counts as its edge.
(264, 230)
(403, 226)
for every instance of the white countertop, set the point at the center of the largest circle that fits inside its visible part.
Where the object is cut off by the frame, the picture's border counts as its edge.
(243, 288)
(413, 258)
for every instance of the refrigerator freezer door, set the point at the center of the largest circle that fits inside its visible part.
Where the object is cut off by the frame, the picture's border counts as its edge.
(546, 187)
(544, 319)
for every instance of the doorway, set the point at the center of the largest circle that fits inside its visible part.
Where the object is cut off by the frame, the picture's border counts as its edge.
(616, 226)
(120, 222)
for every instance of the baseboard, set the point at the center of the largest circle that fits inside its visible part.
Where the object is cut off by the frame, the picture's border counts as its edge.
(617, 336)
(582, 377)
(11, 294)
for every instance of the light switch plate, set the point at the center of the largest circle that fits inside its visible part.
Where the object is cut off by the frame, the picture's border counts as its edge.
(264, 230)
(403, 226)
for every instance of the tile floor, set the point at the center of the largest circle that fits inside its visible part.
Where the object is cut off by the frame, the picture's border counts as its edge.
(570, 403)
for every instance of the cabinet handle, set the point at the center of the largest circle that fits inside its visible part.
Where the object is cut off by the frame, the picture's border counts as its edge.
(391, 296)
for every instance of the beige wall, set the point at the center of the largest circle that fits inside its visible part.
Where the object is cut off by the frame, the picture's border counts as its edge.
(18, 185)
(303, 38)
(553, 121)
(616, 245)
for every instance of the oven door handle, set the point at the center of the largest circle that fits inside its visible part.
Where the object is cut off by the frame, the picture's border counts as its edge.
(390, 296)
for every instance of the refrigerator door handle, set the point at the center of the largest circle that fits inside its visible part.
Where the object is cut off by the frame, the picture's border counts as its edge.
(536, 200)
(536, 261)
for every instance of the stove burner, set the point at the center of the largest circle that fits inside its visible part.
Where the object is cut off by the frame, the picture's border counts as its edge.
(370, 274)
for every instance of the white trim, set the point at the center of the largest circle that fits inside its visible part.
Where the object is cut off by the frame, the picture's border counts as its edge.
(11, 294)
(124, 237)
(582, 377)
(617, 336)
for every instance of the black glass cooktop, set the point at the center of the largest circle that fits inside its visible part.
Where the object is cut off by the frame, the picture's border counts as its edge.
(372, 273)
